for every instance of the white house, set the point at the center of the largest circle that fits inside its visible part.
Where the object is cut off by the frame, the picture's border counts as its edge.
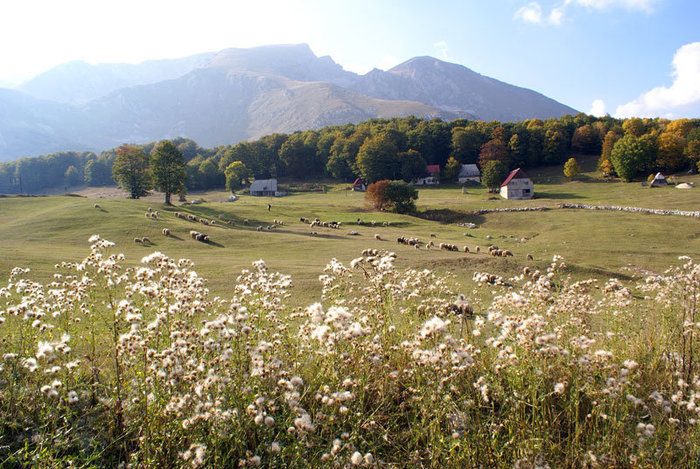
(469, 172)
(432, 178)
(517, 186)
(264, 187)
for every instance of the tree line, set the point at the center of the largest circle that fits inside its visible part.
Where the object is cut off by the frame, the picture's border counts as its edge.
(392, 149)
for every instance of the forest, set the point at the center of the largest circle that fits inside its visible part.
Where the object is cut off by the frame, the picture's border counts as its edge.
(395, 149)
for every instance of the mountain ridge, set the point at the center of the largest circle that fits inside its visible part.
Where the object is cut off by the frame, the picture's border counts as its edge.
(238, 94)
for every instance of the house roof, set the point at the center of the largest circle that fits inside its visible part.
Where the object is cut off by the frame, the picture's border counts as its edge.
(264, 185)
(515, 174)
(468, 170)
(660, 177)
(432, 169)
(358, 182)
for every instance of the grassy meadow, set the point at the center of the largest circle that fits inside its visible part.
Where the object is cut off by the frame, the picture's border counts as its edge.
(144, 360)
(40, 232)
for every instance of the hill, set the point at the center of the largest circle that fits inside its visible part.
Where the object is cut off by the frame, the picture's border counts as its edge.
(239, 94)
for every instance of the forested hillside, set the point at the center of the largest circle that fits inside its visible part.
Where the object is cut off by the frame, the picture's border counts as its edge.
(397, 148)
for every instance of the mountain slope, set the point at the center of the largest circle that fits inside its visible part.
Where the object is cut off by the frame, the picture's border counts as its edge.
(454, 87)
(79, 82)
(238, 94)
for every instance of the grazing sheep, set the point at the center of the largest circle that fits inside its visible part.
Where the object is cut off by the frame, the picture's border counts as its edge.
(430, 244)
(377, 237)
(526, 270)
(147, 214)
(154, 214)
(353, 233)
(530, 258)
(461, 306)
(246, 221)
(259, 228)
(506, 253)
(97, 206)
(145, 240)
(149, 209)
(489, 237)
(433, 235)
(466, 248)
(193, 234)
(477, 249)
(166, 232)
(314, 233)
(137, 240)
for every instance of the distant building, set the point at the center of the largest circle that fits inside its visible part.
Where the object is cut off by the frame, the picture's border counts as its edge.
(659, 180)
(469, 172)
(264, 188)
(359, 186)
(517, 186)
(432, 178)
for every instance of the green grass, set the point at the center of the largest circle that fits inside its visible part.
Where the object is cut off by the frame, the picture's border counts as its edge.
(38, 232)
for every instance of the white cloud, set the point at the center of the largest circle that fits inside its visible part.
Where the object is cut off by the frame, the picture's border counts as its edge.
(646, 6)
(441, 47)
(663, 100)
(556, 16)
(532, 13)
(597, 108)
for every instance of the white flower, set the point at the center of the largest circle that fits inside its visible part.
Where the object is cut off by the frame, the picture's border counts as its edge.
(559, 388)
(356, 458)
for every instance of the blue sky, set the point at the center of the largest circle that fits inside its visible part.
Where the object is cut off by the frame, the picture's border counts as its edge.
(623, 57)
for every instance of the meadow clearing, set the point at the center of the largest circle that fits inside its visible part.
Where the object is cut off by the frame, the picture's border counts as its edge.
(348, 358)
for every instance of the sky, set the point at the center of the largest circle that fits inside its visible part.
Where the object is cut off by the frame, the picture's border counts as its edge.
(620, 57)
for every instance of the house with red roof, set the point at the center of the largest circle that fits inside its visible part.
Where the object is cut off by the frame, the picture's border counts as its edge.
(359, 186)
(517, 186)
(433, 177)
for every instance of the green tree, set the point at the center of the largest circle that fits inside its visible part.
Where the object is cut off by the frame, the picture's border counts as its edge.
(72, 176)
(97, 173)
(493, 173)
(412, 165)
(402, 196)
(571, 168)
(629, 156)
(168, 168)
(236, 175)
(608, 142)
(518, 149)
(466, 144)
(451, 170)
(377, 159)
(130, 171)
(554, 148)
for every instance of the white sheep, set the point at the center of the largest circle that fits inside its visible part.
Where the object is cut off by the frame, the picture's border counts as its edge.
(166, 232)
(97, 206)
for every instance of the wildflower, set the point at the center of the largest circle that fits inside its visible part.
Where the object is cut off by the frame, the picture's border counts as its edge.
(73, 397)
(30, 364)
(559, 388)
(275, 447)
(356, 458)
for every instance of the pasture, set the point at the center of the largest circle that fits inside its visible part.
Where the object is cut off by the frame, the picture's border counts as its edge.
(38, 232)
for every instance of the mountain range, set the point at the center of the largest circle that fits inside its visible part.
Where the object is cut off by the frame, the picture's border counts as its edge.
(239, 94)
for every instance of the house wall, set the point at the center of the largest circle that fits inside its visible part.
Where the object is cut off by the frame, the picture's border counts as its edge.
(518, 189)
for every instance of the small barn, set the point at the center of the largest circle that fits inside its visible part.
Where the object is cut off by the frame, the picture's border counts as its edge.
(359, 185)
(433, 177)
(659, 180)
(264, 188)
(517, 186)
(469, 173)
